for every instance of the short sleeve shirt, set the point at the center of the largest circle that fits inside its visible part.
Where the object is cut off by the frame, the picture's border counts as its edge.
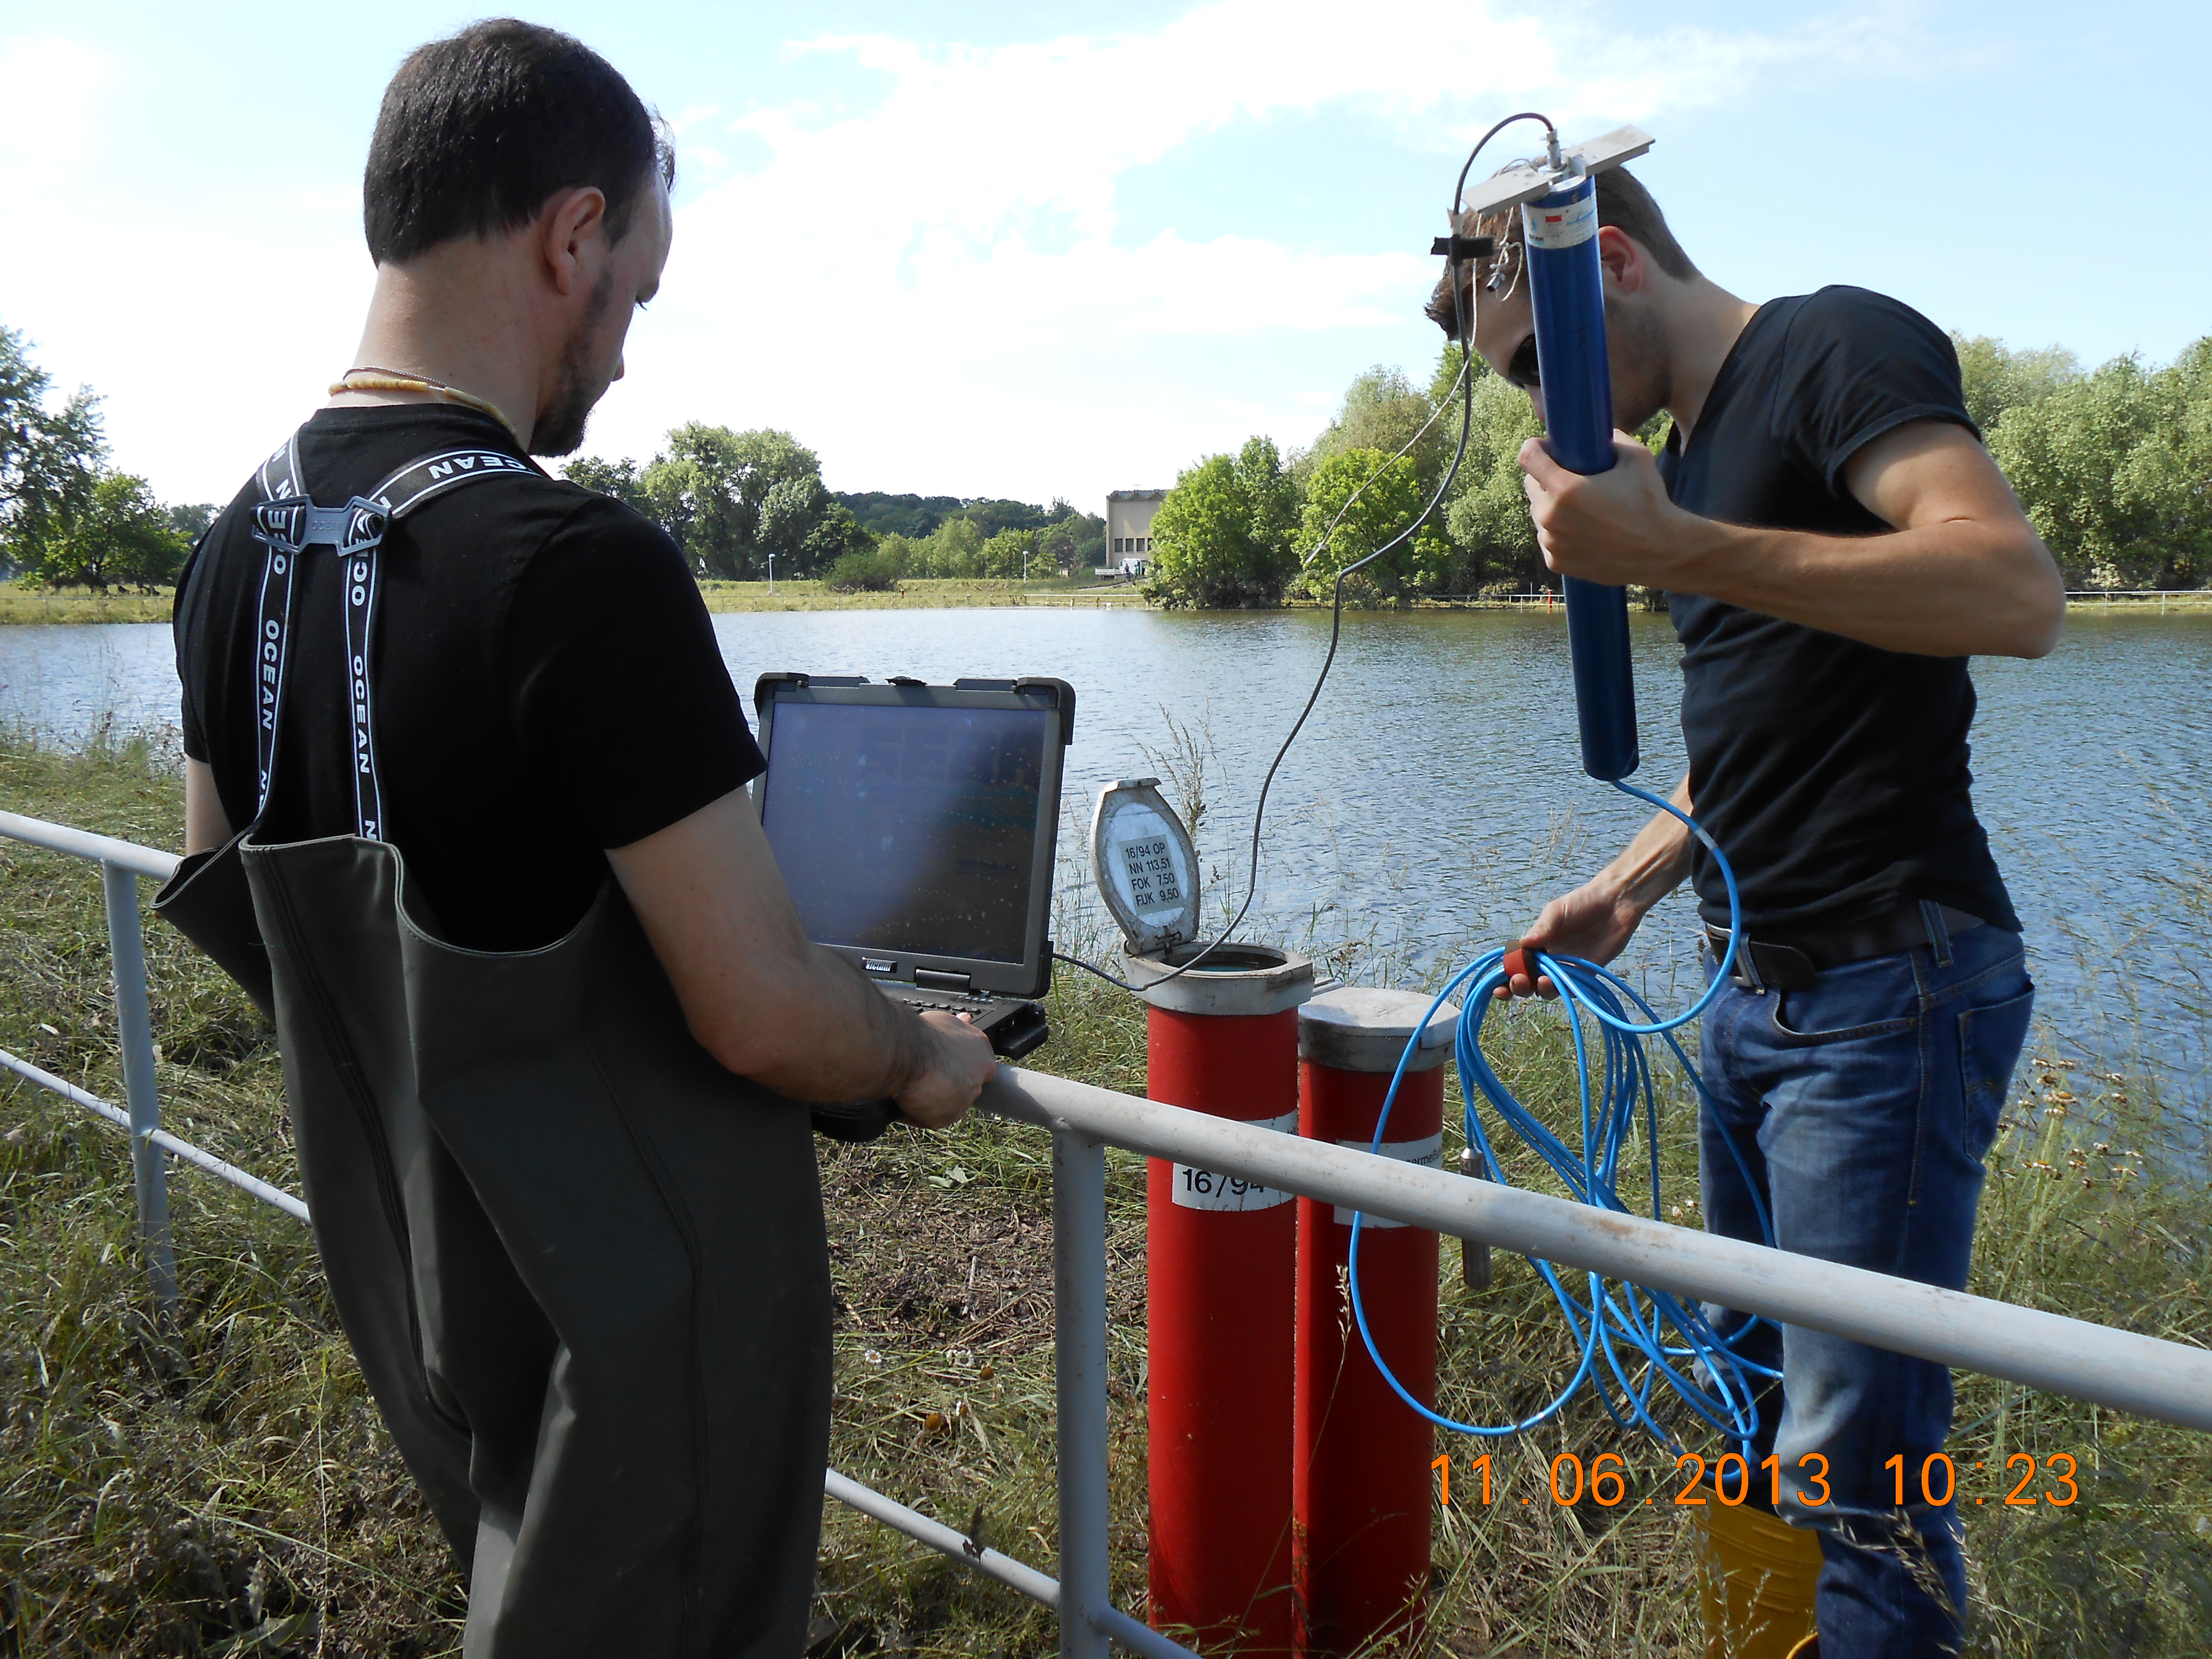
(547, 680)
(1833, 773)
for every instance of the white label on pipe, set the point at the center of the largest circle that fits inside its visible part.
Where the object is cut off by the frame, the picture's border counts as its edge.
(1429, 1153)
(1560, 226)
(1209, 1189)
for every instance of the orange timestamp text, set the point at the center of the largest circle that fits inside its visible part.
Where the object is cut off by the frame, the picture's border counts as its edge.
(1606, 1480)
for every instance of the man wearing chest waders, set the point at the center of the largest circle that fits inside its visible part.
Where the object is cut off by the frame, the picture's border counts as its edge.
(1834, 542)
(547, 1014)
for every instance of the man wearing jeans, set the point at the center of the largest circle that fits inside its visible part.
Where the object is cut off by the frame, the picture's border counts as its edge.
(1834, 543)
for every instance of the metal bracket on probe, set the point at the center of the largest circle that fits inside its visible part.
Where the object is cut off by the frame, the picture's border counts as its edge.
(1530, 180)
(1464, 247)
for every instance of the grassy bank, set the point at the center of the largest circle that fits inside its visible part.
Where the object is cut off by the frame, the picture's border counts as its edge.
(21, 604)
(238, 1496)
(933, 594)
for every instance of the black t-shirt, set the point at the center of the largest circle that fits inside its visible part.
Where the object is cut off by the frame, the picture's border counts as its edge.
(546, 680)
(1833, 774)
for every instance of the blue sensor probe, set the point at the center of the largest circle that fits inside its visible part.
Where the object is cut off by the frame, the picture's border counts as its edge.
(1565, 291)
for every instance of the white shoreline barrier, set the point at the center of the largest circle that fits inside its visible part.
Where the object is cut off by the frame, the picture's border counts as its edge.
(2142, 1374)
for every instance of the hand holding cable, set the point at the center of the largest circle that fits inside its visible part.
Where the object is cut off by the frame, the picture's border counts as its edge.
(1631, 1341)
(1596, 920)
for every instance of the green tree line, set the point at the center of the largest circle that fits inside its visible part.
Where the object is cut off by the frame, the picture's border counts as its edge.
(2113, 465)
(732, 499)
(1259, 527)
(66, 516)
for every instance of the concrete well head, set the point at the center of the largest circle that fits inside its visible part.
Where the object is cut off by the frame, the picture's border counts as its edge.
(1357, 1027)
(1232, 980)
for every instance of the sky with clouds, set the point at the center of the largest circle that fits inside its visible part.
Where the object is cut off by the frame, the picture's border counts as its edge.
(1054, 250)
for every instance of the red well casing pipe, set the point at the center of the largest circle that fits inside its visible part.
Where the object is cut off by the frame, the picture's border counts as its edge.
(1218, 1276)
(1361, 1482)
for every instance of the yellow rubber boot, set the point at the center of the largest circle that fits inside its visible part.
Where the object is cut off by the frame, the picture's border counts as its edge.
(1756, 1584)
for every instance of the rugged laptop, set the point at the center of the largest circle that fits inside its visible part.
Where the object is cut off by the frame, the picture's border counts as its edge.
(915, 827)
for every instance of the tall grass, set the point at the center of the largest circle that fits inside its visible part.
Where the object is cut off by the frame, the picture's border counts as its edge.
(21, 603)
(233, 1494)
(911, 593)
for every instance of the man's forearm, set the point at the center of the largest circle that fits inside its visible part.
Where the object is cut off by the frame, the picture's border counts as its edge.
(829, 1035)
(1956, 588)
(760, 996)
(1598, 918)
(1961, 574)
(1657, 860)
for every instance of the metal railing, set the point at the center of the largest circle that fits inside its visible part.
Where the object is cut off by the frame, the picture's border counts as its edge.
(1089, 1620)
(2167, 1381)
(2198, 596)
(1546, 596)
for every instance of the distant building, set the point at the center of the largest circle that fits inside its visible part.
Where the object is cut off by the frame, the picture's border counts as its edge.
(1129, 515)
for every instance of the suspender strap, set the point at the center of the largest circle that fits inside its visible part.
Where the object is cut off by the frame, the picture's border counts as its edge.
(287, 524)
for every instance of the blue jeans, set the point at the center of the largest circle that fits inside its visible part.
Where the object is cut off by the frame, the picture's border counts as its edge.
(1863, 1108)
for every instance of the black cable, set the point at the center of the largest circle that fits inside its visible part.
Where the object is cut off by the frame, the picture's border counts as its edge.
(1336, 623)
(1459, 198)
(1459, 190)
(1464, 317)
(1077, 962)
(1336, 633)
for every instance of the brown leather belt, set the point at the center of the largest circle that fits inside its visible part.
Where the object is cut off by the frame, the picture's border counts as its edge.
(1791, 961)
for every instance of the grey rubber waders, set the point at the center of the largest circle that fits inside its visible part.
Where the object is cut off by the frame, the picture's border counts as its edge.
(583, 1266)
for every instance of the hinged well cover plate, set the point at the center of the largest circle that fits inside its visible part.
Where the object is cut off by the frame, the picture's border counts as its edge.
(1146, 866)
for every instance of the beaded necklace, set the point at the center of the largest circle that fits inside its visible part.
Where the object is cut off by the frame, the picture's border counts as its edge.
(370, 379)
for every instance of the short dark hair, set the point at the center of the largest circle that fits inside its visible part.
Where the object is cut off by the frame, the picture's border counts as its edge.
(1622, 202)
(479, 131)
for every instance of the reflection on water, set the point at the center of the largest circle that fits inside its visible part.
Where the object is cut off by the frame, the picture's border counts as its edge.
(57, 686)
(1435, 798)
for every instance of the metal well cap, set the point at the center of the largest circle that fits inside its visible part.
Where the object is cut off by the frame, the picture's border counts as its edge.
(1358, 1028)
(1146, 866)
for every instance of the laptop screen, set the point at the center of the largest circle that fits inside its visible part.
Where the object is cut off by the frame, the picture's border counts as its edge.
(909, 828)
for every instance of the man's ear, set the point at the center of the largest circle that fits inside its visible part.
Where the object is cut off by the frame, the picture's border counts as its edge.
(567, 228)
(1625, 263)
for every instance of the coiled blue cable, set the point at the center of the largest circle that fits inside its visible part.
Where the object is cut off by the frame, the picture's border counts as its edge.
(1628, 1325)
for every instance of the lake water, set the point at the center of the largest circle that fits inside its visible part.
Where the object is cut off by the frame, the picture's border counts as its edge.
(1436, 796)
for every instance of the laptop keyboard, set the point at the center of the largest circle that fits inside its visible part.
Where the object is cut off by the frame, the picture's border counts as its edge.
(1016, 1027)
(951, 1003)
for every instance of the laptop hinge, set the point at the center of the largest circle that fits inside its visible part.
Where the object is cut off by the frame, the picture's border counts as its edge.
(930, 979)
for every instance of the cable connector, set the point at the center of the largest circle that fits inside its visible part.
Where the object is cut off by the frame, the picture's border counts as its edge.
(1464, 247)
